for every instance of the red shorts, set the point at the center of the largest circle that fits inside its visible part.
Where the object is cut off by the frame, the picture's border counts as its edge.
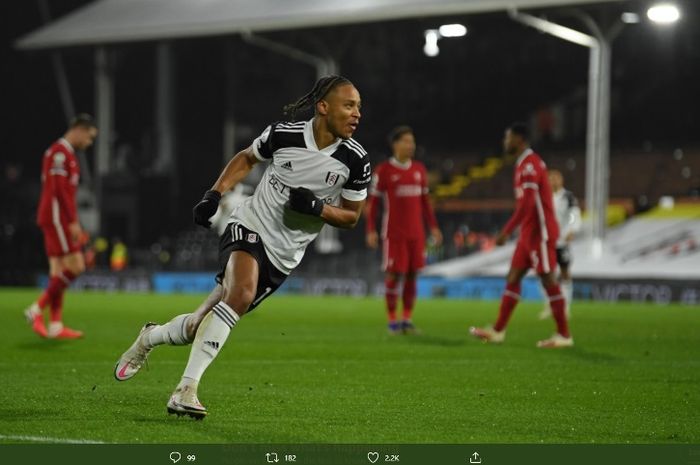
(541, 258)
(403, 255)
(58, 242)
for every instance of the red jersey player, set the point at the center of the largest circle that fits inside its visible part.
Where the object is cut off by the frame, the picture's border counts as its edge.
(536, 247)
(57, 217)
(402, 183)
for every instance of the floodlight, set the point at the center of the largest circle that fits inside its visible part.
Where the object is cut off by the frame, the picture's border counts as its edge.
(431, 48)
(664, 13)
(452, 30)
(629, 18)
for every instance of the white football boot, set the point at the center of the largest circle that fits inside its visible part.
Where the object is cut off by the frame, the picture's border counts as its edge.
(557, 341)
(135, 356)
(184, 401)
(488, 334)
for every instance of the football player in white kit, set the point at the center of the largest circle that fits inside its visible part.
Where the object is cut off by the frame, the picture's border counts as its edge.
(568, 216)
(316, 174)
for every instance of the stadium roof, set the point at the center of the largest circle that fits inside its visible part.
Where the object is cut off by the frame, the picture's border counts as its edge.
(115, 21)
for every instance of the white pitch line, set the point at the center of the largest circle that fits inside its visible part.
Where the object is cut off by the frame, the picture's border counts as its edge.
(13, 437)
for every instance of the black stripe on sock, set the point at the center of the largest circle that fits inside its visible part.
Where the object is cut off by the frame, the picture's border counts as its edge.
(224, 315)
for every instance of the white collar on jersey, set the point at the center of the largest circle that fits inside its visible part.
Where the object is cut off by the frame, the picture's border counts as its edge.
(404, 166)
(523, 155)
(311, 141)
(63, 141)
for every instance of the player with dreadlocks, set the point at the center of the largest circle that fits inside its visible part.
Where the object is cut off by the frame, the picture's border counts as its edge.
(316, 174)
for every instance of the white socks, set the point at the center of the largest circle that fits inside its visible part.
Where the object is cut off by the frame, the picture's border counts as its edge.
(210, 338)
(33, 310)
(174, 332)
(55, 327)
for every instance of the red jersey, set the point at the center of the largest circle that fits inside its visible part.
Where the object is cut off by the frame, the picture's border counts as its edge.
(534, 210)
(404, 187)
(60, 174)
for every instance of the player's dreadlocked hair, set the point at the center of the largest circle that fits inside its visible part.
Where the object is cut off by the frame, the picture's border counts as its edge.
(320, 90)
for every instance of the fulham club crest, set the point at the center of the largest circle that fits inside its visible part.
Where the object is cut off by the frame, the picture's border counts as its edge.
(332, 178)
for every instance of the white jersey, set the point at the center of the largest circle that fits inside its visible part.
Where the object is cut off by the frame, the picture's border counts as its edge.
(341, 169)
(568, 214)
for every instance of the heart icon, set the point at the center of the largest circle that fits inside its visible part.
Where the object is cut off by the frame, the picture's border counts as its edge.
(373, 456)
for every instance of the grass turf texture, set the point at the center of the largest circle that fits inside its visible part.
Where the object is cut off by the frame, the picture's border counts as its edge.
(323, 370)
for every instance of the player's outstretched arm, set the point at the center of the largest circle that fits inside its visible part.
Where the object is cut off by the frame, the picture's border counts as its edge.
(345, 216)
(304, 201)
(235, 171)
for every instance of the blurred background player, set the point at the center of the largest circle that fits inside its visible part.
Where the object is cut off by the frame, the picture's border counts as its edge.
(536, 247)
(568, 216)
(57, 216)
(402, 183)
(316, 174)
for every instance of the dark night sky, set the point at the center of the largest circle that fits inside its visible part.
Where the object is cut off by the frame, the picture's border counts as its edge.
(458, 101)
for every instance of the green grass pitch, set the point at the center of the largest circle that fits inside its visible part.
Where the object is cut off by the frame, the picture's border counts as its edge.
(323, 370)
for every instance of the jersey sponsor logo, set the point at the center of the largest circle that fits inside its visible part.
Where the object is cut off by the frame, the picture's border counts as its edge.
(288, 166)
(252, 238)
(332, 178)
(283, 189)
(409, 190)
(362, 181)
(278, 185)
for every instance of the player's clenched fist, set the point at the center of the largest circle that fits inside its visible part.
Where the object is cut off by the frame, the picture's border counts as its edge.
(206, 208)
(302, 200)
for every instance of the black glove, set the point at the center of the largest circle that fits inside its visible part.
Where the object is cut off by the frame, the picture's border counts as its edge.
(206, 208)
(302, 200)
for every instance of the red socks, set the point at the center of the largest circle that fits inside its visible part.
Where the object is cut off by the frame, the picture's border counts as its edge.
(54, 293)
(391, 295)
(409, 297)
(52, 289)
(558, 305)
(508, 302)
(510, 299)
(66, 278)
(57, 307)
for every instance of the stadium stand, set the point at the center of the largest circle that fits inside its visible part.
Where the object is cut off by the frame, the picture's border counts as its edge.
(663, 243)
